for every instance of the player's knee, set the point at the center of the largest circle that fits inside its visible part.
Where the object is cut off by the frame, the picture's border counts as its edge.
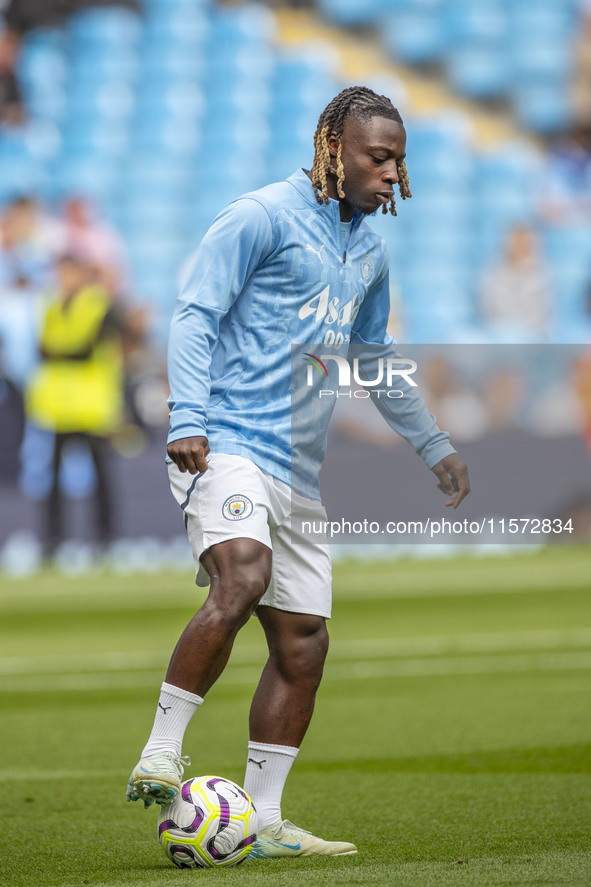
(236, 596)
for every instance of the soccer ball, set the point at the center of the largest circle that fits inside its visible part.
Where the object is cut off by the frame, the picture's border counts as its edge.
(211, 823)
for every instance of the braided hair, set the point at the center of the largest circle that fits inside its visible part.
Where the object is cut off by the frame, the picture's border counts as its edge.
(363, 104)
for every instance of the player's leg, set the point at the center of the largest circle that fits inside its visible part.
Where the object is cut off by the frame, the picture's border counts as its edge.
(293, 614)
(226, 519)
(284, 699)
(279, 717)
(239, 571)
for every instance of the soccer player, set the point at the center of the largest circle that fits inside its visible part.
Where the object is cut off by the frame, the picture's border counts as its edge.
(294, 262)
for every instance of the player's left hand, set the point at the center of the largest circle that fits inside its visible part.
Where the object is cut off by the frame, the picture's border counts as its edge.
(453, 478)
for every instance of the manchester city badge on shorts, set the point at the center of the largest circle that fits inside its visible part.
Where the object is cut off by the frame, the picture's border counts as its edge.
(237, 507)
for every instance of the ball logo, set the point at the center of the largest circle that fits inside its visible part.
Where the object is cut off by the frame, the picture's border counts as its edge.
(237, 507)
(366, 263)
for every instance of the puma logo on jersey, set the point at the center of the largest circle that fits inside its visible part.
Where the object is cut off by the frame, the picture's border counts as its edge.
(317, 252)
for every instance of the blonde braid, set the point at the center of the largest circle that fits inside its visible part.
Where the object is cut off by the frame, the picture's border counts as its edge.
(403, 183)
(389, 206)
(340, 174)
(321, 165)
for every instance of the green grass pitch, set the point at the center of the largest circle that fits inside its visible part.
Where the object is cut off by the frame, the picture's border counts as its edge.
(451, 739)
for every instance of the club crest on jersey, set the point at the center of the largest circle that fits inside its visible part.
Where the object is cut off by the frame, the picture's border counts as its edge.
(366, 263)
(237, 507)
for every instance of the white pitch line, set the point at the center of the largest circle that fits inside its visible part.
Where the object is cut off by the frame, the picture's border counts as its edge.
(374, 648)
(349, 671)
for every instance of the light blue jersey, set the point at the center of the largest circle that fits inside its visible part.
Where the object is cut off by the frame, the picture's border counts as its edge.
(273, 271)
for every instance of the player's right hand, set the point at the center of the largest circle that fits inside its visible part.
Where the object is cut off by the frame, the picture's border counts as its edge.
(189, 454)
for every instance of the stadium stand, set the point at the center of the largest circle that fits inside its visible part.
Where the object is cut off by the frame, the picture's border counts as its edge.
(163, 117)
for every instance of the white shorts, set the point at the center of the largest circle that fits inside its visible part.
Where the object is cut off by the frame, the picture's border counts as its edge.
(234, 499)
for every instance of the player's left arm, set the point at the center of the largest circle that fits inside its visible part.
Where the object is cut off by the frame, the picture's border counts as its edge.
(407, 415)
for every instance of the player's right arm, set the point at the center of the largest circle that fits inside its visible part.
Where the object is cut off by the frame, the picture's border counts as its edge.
(239, 239)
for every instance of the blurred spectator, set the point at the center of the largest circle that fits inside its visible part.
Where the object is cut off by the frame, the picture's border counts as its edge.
(505, 393)
(516, 291)
(20, 310)
(30, 241)
(581, 78)
(567, 187)
(11, 108)
(96, 243)
(76, 392)
(450, 396)
(12, 423)
(582, 386)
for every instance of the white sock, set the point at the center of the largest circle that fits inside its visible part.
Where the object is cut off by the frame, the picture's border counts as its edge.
(175, 709)
(267, 769)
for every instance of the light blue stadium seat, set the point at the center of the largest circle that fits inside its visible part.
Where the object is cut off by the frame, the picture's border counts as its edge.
(175, 29)
(245, 26)
(479, 72)
(415, 36)
(568, 245)
(92, 137)
(436, 302)
(543, 107)
(513, 167)
(151, 216)
(467, 21)
(168, 137)
(41, 61)
(155, 175)
(109, 99)
(180, 6)
(89, 176)
(182, 98)
(115, 26)
(535, 20)
(93, 68)
(541, 61)
(160, 289)
(157, 256)
(351, 12)
(446, 133)
(42, 73)
(20, 176)
(169, 63)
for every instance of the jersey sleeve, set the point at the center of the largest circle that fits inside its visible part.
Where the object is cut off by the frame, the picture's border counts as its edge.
(407, 415)
(239, 239)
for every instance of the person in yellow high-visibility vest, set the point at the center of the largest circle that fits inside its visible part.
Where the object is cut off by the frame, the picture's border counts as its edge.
(77, 390)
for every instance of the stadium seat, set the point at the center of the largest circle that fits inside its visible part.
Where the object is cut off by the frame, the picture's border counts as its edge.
(351, 12)
(415, 36)
(110, 100)
(114, 26)
(544, 60)
(91, 136)
(92, 174)
(543, 108)
(466, 22)
(479, 72)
